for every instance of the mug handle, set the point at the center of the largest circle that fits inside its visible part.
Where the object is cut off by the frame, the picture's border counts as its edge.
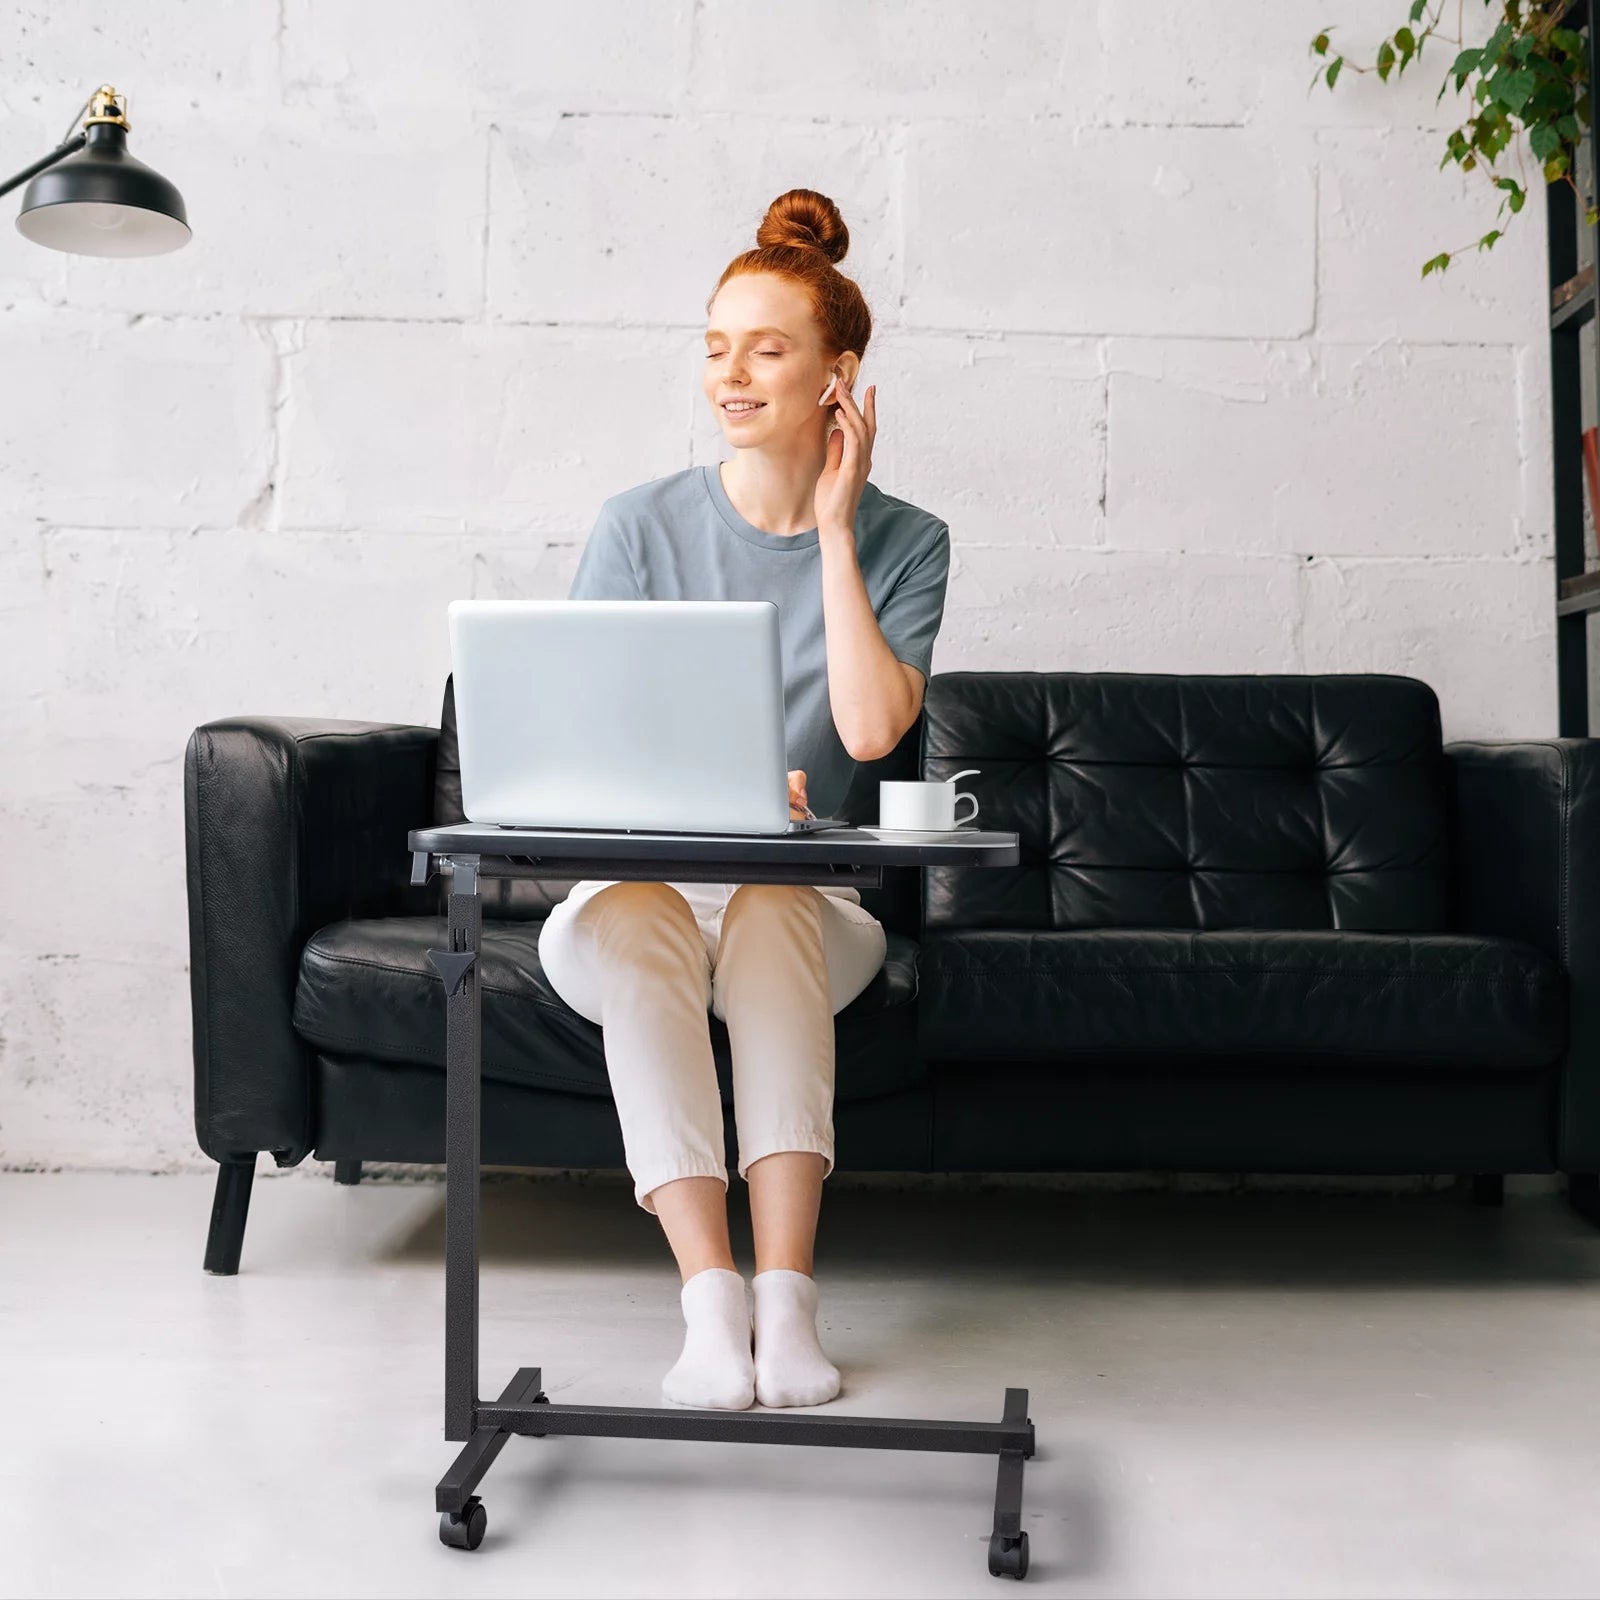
(971, 816)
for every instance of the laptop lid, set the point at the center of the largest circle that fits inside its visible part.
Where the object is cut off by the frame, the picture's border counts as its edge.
(646, 714)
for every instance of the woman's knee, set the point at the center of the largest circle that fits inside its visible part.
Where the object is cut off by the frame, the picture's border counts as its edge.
(638, 902)
(783, 899)
(641, 923)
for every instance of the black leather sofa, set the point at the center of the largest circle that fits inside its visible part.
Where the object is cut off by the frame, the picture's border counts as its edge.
(1260, 923)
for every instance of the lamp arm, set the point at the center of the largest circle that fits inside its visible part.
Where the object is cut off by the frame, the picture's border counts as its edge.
(74, 143)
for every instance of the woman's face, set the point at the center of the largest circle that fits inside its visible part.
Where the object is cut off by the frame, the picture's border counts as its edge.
(763, 345)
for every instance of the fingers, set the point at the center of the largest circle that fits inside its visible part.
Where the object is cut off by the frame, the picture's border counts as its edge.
(864, 427)
(847, 401)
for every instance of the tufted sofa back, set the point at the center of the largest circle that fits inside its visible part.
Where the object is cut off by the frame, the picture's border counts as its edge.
(524, 899)
(1178, 801)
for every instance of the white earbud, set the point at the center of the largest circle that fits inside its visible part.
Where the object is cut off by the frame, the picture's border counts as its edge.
(832, 385)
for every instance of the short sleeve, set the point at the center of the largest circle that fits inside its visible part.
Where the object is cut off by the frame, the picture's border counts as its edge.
(910, 616)
(605, 569)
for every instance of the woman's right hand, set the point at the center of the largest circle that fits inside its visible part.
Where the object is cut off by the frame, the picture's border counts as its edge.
(797, 794)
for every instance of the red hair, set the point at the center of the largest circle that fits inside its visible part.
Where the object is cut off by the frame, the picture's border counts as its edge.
(800, 238)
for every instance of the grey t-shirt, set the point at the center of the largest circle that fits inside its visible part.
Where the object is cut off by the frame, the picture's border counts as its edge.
(679, 538)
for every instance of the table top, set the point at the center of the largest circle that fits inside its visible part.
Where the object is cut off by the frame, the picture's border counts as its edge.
(845, 847)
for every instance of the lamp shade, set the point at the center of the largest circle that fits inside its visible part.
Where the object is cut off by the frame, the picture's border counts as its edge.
(101, 201)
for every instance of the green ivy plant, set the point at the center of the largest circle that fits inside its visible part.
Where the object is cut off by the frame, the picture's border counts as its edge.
(1530, 75)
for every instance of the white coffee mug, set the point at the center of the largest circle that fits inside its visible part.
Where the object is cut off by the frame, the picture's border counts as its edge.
(924, 806)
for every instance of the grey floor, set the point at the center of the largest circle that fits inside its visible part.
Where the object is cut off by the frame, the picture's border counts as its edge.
(1253, 1393)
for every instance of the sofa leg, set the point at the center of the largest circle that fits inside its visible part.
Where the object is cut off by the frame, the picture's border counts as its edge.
(347, 1172)
(1488, 1188)
(230, 1205)
(1583, 1195)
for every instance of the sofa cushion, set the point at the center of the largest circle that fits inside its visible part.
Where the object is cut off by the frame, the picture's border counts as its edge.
(365, 987)
(1449, 999)
(1150, 800)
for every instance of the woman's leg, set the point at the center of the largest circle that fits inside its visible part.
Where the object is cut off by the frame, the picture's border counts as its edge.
(635, 954)
(633, 959)
(787, 959)
(785, 1201)
(694, 1217)
(770, 986)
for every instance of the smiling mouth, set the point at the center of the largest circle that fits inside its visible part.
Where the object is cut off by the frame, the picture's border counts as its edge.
(744, 410)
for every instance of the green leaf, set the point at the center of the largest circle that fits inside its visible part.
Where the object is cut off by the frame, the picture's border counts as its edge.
(1438, 264)
(1487, 241)
(1385, 61)
(1568, 128)
(1513, 89)
(1332, 73)
(1417, 8)
(1319, 45)
(1544, 141)
(1466, 61)
(1591, 217)
(1555, 167)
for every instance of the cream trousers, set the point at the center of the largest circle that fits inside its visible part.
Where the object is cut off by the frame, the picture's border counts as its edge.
(648, 961)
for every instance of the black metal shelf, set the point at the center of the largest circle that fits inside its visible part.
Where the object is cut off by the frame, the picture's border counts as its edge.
(1572, 302)
(1573, 299)
(1579, 595)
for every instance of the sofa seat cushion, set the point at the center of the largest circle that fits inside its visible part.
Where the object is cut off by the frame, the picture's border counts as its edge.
(366, 987)
(1439, 999)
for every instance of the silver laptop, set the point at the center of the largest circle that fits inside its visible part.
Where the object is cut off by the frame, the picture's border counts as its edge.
(659, 716)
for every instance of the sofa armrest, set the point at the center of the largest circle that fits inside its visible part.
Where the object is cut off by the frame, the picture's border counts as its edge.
(1526, 854)
(290, 824)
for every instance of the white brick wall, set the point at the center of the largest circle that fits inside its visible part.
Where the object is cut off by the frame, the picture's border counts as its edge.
(1150, 335)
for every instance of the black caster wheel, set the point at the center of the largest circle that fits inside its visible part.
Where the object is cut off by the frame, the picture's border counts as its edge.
(1008, 1558)
(465, 1532)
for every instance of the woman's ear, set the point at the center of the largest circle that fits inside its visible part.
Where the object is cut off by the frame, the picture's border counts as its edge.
(844, 370)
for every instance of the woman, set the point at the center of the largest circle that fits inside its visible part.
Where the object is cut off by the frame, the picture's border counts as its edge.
(859, 581)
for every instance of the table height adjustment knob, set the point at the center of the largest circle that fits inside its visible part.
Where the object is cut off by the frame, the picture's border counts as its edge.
(451, 965)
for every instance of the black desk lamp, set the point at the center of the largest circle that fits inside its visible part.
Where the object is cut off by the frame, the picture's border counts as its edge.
(100, 201)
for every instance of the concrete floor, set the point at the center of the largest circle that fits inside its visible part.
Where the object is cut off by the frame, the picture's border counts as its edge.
(1259, 1393)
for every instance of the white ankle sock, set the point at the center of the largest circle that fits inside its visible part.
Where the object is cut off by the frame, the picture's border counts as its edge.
(716, 1368)
(791, 1369)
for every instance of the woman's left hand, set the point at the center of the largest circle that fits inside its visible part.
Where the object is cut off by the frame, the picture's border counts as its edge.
(849, 460)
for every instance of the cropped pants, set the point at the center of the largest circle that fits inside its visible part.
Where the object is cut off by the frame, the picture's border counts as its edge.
(648, 962)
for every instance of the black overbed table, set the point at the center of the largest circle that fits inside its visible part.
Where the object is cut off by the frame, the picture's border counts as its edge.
(469, 851)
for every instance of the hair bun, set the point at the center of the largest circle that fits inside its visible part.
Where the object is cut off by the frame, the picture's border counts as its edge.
(805, 219)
